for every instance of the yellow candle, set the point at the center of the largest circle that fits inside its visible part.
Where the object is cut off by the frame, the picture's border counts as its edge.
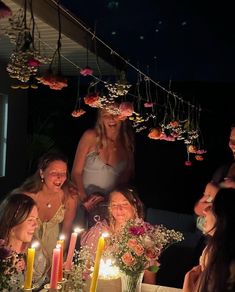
(29, 267)
(99, 251)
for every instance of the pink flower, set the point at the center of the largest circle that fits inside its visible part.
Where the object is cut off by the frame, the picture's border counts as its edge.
(33, 62)
(126, 109)
(200, 151)
(5, 11)
(137, 230)
(127, 259)
(148, 104)
(151, 253)
(86, 71)
(188, 163)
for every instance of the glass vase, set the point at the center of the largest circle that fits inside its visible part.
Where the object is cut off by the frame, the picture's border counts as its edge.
(132, 283)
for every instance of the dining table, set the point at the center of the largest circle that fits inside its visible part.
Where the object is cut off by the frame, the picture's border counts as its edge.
(144, 288)
(157, 288)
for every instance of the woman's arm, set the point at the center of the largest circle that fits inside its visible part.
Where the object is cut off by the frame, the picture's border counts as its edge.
(191, 279)
(85, 144)
(70, 213)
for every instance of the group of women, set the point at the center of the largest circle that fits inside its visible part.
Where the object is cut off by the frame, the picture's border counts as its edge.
(45, 205)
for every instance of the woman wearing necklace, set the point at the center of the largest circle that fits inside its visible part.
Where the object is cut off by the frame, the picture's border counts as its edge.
(104, 159)
(56, 205)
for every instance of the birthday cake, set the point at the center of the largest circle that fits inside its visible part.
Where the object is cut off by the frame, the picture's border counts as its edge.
(105, 285)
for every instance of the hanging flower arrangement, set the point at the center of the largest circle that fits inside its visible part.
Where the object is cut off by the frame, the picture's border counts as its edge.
(53, 77)
(87, 71)
(92, 99)
(25, 58)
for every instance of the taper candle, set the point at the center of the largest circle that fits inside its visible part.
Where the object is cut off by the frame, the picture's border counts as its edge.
(72, 244)
(29, 267)
(95, 274)
(61, 243)
(55, 267)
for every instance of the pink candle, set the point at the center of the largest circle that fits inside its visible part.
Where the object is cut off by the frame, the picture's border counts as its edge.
(55, 267)
(72, 244)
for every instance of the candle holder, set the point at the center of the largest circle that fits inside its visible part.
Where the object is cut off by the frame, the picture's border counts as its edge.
(63, 283)
(48, 288)
(28, 289)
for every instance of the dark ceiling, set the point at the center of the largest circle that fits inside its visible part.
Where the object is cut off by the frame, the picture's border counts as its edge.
(167, 39)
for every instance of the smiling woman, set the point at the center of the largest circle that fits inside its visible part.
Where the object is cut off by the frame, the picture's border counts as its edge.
(104, 159)
(56, 201)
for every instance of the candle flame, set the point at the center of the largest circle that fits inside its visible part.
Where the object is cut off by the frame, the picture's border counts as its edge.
(78, 230)
(105, 234)
(35, 244)
(62, 237)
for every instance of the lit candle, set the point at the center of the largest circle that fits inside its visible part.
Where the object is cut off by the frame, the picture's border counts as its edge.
(29, 267)
(72, 244)
(99, 251)
(55, 267)
(60, 242)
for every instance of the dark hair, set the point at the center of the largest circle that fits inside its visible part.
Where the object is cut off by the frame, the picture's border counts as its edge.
(33, 184)
(13, 211)
(221, 246)
(132, 197)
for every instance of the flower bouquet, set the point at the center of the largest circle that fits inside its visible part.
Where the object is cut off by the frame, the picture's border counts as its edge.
(138, 247)
(76, 279)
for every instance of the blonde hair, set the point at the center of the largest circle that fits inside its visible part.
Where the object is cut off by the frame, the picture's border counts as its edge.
(126, 135)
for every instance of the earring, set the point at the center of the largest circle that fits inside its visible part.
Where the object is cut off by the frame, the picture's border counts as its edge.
(42, 179)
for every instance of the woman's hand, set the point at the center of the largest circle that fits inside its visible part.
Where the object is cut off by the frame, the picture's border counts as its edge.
(191, 279)
(92, 201)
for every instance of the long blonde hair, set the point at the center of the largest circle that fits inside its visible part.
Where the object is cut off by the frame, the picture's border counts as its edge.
(126, 135)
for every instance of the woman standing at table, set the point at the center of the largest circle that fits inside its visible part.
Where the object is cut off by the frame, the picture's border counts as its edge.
(216, 271)
(104, 159)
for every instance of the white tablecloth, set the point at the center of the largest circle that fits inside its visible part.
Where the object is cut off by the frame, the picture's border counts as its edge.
(156, 288)
(148, 288)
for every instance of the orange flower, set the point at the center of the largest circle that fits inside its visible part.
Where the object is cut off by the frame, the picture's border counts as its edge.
(128, 259)
(126, 109)
(192, 149)
(92, 99)
(138, 249)
(199, 157)
(78, 113)
(132, 243)
(155, 133)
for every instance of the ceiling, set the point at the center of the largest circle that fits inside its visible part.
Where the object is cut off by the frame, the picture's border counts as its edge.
(171, 39)
(75, 40)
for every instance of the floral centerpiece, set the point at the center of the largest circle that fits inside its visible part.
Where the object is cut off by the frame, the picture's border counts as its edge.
(138, 248)
(11, 268)
(82, 261)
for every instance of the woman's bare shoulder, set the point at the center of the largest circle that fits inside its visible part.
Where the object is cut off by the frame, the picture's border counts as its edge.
(89, 134)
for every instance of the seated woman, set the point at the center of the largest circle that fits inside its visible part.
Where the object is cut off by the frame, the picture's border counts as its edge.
(124, 204)
(216, 271)
(18, 221)
(48, 187)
